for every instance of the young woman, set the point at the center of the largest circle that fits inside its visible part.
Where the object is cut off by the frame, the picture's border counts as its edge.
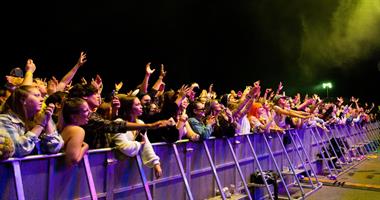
(75, 112)
(130, 109)
(32, 131)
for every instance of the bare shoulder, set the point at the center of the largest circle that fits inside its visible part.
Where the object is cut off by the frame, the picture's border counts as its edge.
(70, 131)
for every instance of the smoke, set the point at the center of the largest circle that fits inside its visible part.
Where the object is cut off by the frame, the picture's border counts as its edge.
(350, 32)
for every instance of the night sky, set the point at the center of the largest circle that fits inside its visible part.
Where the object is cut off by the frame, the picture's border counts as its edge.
(229, 43)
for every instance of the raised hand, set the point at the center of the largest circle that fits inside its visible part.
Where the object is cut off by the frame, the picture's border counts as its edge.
(280, 86)
(148, 70)
(185, 89)
(30, 66)
(52, 85)
(162, 72)
(97, 82)
(82, 59)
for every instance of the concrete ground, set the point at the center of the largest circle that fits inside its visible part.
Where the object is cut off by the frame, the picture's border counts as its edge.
(360, 182)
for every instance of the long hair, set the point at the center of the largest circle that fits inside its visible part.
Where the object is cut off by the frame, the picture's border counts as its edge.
(15, 102)
(126, 103)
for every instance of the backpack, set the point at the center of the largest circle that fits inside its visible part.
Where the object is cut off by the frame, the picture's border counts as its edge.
(270, 177)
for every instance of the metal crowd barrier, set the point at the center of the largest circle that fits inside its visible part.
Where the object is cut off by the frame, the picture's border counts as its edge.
(200, 170)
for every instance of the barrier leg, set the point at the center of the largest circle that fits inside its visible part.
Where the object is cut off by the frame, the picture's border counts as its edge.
(322, 154)
(345, 149)
(90, 180)
(259, 166)
(373, 137)
(18, 180)
(353, 141)
(295, 173)
(328, 139)
(180, 166)
(214, 170)
(276, 165)
(238, 168)
(143, 177)
(330, 158)
(308, 159)
(366, 139)
(301, 159)
(110, 176)
(360, 139)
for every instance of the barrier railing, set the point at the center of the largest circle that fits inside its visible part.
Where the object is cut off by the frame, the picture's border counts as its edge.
(198, 170)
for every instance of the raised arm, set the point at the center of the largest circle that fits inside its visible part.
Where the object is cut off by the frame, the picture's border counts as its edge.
(30, 67)
(144, 85)
(69, 76)
(160, 79)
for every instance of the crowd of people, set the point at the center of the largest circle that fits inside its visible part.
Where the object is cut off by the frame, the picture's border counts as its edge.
(47, 117)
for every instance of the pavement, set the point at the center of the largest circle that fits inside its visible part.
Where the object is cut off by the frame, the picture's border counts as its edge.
(360, 182)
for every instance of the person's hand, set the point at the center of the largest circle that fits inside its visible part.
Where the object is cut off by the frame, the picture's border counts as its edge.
(162, 72)
(83, 81)
(97, 82)
(211, 120)
(30, 66)
(143, 139)
(268, 90)
(82, 59)
(115, 103)
(148, 70)
(157, 171)
(183, 117)
(184, 90)
(52, 85)
(280, 86)
(43, 118)
(210, 88)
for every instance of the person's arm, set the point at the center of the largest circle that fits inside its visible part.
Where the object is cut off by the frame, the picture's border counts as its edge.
(159, 81)
(289, 112)
(249, 98)
(30, 67)
(51, 140)
(75, 147)
(190, 133)
(125, 143)
(203, 130)
(24, 143)
(185, 89)
(305, 104)
(69, 76)
(144, 85)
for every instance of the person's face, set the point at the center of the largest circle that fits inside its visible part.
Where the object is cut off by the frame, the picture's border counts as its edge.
(216, 106)
(145, 100)
(84, 112)
(199, 110)
(136, 107)
(260, 111)
(33, 102)
(93, 100)
(185, 103)
(153, 109)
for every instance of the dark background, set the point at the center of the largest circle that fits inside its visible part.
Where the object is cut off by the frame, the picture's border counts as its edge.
(228, 43)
